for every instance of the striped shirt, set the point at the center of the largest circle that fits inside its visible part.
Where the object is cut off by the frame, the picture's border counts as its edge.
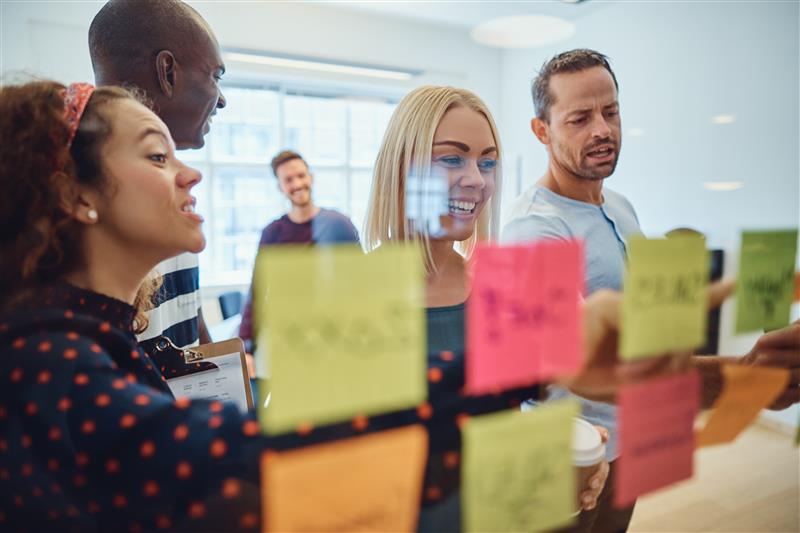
(178, 300)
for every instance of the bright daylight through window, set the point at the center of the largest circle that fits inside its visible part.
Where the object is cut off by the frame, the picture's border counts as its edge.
(338, 135)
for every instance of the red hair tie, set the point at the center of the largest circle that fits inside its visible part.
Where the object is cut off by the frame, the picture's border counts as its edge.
(76, 96)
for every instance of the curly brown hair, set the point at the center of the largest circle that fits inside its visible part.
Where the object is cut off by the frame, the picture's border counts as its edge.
(38, 236)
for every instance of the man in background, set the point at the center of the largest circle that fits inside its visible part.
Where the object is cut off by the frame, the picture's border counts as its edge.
(166, 49)
(305, 223)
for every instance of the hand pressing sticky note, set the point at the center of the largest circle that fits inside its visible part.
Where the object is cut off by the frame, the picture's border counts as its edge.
(369, 483)
(517, 472)
(523, 315)
(656, 435)
(344, 332)
(746, 391)
(664, 305)
(766, 283)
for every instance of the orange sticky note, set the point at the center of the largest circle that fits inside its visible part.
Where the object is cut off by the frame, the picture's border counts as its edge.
(369, 483)
(746, 391)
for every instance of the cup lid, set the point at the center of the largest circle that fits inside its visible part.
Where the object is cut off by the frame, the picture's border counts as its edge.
(587, 446)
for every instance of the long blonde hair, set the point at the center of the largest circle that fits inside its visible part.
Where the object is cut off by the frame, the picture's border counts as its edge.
(406, 147)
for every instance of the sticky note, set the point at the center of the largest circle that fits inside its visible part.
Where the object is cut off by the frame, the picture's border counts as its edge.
(664, 305)
(656, 421)
(517, 472)
(523, 315)
(345, 334)
(746, 391)
(766, 280)
(369, 483)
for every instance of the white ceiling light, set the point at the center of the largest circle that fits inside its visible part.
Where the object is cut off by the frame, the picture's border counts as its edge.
(523, 31)
(636, 132)
(721, 186)
(318, 65)
(723, 119)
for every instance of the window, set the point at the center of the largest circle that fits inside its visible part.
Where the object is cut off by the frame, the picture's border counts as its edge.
(339, 136)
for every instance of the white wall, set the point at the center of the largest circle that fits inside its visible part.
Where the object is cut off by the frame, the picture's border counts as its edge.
(678, 64)
(49, 39)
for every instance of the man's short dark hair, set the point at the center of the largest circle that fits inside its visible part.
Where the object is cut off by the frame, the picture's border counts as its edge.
(126, 35)
(565, 62)
(284, 157)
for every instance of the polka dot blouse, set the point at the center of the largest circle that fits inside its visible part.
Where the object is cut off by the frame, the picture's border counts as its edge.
(91, 437)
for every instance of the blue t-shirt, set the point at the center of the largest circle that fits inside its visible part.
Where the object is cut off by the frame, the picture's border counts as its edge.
(539, 213)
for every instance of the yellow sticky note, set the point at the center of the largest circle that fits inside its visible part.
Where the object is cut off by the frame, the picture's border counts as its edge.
(746, 391)
(345, 333)
(369, 483)
(664, 305)
(517, 472)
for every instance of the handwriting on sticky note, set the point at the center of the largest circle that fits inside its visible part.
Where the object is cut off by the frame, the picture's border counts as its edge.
(341, 340)
(523, 316)
(369, 483)
(746, 391)
(656, 435)
(766, 280)
(665, 298)
(517, 472)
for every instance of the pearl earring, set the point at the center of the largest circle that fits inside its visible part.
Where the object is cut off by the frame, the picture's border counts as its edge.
(92, 214)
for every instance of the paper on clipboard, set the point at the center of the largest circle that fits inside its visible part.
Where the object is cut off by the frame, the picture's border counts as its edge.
(227, 382)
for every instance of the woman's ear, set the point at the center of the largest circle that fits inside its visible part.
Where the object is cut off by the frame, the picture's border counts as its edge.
(77, 201)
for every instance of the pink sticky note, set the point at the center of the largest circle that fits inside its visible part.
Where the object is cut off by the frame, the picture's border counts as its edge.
(523, 315)
(656, 421)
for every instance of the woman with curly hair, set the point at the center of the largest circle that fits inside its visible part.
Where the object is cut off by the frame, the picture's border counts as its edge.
(93, 198)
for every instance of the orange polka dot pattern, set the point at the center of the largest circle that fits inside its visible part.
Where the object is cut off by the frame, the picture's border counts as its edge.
(100, 424)
(137, 457)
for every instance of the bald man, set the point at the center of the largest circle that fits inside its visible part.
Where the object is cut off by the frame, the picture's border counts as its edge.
(165, 48)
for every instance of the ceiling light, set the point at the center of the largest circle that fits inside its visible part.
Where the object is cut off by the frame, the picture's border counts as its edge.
(523, 31)
(720, 186)
(636, 132)
(723, 119)
(319, 65)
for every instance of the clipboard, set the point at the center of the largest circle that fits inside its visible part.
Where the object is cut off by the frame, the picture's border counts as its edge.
(190, 369)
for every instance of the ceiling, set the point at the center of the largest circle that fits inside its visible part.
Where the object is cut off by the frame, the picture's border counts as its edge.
(469, 13)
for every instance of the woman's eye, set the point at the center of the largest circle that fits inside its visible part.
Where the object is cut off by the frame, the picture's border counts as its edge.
(487, 164)
(451, 161)
(158, 158)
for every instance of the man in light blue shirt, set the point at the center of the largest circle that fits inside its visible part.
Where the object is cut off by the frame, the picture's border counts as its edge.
(577, 119)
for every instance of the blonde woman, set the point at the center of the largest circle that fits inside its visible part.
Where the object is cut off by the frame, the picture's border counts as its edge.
(444, 131)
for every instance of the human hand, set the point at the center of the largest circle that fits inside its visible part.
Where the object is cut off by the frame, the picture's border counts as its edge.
(603, 373)
(780, 349)
(597, 481)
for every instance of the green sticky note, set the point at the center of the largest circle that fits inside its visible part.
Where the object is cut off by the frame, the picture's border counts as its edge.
(664, 305)
(345, 333)
(766, 280)
(797, 437)
(517, 472)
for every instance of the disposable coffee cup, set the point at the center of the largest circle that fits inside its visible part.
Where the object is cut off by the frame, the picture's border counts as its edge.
(588, 451)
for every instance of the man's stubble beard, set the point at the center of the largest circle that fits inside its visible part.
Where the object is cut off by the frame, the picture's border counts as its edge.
(583, 173)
